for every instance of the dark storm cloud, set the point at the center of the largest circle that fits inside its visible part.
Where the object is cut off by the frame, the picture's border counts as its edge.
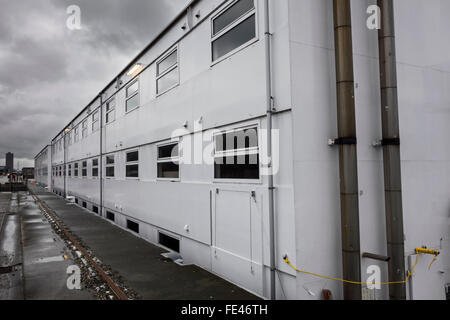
(48, 73)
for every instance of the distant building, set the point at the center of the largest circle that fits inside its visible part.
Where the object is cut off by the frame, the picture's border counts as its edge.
(10, 162)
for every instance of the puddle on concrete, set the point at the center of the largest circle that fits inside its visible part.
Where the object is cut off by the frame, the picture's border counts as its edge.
(48, 260)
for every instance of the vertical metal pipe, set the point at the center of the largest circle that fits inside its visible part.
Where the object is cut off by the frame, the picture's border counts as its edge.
(391, 150)
(101, 155)
(269, 99)
(348, 162)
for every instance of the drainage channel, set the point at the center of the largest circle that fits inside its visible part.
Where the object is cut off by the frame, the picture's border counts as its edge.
(90, 262)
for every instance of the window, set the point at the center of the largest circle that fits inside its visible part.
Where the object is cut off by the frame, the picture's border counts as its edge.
(110, 166)
(167, 75)
(95, 209)
(168, 161)
(84, 168)
(60, 171)
(111, 110)
(237, 155)
(95, 121)
(75, 170)
(133, 226)
(94, 167)
(132, 166)
(84, 132)
(84, 205)
(233, 28)
(70, 138)
(76, 135)
(70, 170)
(132, 101)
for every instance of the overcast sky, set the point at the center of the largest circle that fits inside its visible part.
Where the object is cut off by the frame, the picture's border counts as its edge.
(48, 73)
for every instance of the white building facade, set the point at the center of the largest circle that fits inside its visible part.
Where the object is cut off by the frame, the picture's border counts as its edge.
(134, 154)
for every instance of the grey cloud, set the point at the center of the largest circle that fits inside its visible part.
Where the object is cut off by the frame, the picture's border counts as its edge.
(49, 73)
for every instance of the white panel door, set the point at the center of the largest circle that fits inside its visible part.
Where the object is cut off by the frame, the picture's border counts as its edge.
(237, 239)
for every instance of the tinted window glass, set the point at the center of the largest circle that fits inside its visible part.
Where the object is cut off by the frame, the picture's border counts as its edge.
(169, 151)
(133, 156)
(132, 171)
(234, 38)
(132, 103)
(168, 81)
(168, 170)
(232, 14)
(168, 62)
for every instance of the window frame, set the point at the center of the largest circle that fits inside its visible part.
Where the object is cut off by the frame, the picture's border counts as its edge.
(138, 92)
(84, 129)
(132, 163)
(108, 112)
(95, 122)
(230, 27)
(76, 168)
(217, 154)
(163, 74)
(69, 170)
(76, 134)
(95, 167)
(113, 165)
(171, 159)
(83, 174)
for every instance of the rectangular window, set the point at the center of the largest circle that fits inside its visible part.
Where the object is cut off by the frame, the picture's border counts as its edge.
(236, 155)
(95, 209)
(132, 100)
(111, 110)
(110, 166)
(233, 28)
(133, 226)
(76, 135)
(75, 170)
(167, 75)
(110, 216)
(84, 132)
(84, 205)
(95, 121)
(94, 168)
(70, 170)
(132, 166)
(84, 169)
(168, 161)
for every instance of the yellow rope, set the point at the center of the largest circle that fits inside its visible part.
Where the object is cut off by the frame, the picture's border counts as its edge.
(354, 282)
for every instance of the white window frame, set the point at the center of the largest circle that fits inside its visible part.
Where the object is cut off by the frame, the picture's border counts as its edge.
(175, 66)
(95, 167)
(109, 166)
(84, 129)
(234, 24)
(95, 122)
(76, 168)
(132, 163)
(76, 135)
(84, 168)
(244, 151)
(138, 91)
(110, 111)
(171, 159)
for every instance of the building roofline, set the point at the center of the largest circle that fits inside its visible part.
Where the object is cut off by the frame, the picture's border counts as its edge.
(128, 66)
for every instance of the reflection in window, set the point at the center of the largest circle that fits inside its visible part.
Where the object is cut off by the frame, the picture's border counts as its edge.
(167, 72)
(233, 28)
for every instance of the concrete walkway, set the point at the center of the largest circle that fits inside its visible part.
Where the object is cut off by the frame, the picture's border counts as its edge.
(139, 262)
